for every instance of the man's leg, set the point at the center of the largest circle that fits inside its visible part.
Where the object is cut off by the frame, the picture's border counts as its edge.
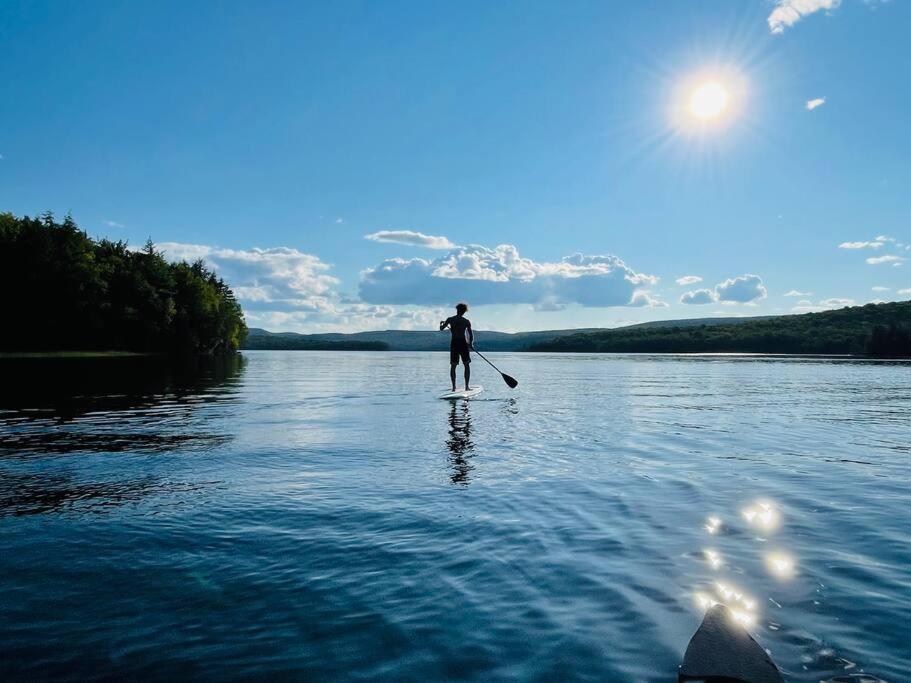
(452, 367)
(467, 375)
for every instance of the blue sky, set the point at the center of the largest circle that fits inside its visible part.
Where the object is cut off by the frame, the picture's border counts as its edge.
(549, 148)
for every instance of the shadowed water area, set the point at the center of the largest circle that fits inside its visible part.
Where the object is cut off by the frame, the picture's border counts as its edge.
(323, 515)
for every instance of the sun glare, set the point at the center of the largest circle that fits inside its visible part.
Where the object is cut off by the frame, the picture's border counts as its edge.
(709, 100)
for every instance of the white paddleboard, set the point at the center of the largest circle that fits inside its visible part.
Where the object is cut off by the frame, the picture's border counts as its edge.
(461, 393)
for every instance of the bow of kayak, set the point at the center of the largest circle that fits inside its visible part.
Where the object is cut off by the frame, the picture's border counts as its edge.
(721, 651)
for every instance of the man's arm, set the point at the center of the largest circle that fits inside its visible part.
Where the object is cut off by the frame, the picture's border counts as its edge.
(470, 334)
(444, 324)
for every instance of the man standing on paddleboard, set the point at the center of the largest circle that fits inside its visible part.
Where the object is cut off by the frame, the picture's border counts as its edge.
(462, 341)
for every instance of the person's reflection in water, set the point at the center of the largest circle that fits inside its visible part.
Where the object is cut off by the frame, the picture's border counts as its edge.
(459, 442)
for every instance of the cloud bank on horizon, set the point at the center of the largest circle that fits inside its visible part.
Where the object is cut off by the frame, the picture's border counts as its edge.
(502, 276)
(282, 287)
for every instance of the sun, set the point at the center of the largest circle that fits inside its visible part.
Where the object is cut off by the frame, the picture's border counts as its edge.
(709, 100)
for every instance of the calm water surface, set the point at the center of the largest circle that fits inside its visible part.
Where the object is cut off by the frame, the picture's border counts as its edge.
(323, 516)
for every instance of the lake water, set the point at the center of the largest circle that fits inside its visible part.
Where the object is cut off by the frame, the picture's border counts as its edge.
(324, 516)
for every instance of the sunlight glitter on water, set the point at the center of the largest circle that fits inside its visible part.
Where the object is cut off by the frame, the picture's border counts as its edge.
(285, 516)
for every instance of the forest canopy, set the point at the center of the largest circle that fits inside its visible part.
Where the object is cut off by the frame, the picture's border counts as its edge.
(63, 290)
(874, 329)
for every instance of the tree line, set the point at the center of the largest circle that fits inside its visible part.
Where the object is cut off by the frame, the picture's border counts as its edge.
(882, 330)
(63, 290)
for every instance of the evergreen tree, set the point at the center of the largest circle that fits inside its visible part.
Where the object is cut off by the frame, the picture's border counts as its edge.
(63, 290)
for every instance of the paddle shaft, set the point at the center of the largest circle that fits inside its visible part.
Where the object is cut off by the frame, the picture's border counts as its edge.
(488, 362)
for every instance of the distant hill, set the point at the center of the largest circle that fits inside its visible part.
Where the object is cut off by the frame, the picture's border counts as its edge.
(696, 322)
(875, 329)
(258, 339)
(845, 331)
(397, 340)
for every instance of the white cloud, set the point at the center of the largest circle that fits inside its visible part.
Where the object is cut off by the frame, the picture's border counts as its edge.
(817, 102)
(794, 292)
(349, 318)
(873, 244)
(887, 258)
(282, 288)
(806, 306)
(688, 280)
(502, 276)
(411, 238)
(904, 292)
(280, 278)
(699, 296)
(643, 298)
(789, 12)
(880, 289)
(741, 289)
(114, 224)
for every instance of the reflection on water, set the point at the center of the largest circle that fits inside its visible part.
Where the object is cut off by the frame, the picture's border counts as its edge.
(67, 388)
(106, 406)
(31, 494)
(283, 518)
(459, 442)
(109, 405)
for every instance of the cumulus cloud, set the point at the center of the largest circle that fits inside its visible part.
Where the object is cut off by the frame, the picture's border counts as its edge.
(794, 292)
(688, 280)
(880, 289)
(644, 298)
(282, 288)
(872, 244)
(741, 289)
(817, 102)
(699, 296)
(789, 12)
(280, 278)
(807, 306)
(502, 276)
(347, 318)
(411, 238)
(886, 258)
(905, 292)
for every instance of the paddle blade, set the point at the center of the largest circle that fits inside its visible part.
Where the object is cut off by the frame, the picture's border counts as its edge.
(511, 381)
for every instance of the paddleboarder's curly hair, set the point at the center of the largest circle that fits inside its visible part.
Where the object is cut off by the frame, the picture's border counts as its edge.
(461, 308)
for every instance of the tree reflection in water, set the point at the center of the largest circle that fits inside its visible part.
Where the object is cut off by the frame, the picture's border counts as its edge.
(78, 407)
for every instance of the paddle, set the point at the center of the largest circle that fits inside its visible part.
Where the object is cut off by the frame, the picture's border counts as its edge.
(511, 381)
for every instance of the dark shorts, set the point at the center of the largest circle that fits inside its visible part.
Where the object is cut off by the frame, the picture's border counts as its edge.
(456, 351)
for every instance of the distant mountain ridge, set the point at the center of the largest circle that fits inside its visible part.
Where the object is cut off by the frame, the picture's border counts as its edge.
(882, 330)
(432, 340)
(397, 340)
